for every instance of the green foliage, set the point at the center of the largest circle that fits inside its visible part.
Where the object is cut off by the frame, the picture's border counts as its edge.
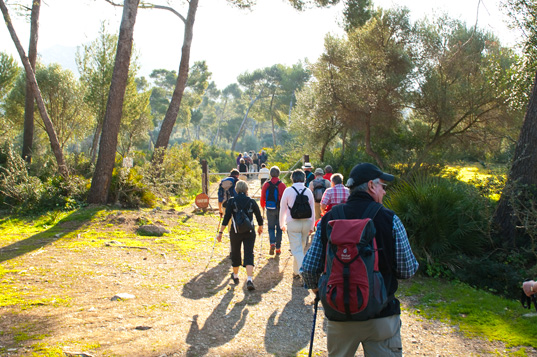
(477, 313)
(218, 159)
(63, 97)
(130, 188)
(25, 193)
(444, 220)
(9, 70)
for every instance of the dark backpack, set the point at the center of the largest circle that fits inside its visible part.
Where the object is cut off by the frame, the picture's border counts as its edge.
(272, 195)
(309, 177)
(351, 287)
(241, 221)
(319, 186)
(301, 208)
(227, 187)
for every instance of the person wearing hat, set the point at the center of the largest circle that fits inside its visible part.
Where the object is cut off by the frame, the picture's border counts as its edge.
(318, 186)
(379, 336)
(309, 175)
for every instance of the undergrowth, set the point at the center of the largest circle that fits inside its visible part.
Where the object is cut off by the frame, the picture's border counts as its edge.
(477, 313)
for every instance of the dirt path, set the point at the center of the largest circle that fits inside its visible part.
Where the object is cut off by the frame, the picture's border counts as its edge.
(178, 308)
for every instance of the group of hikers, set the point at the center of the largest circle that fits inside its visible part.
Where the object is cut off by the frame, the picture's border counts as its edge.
(251, 161)
(358, 251)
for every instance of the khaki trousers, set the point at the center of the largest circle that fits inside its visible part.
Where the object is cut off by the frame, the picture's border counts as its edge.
(379, 337)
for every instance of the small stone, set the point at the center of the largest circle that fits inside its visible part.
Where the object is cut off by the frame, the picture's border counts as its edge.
(142, 328)
(122, 296)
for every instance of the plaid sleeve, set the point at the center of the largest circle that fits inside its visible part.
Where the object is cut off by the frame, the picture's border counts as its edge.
(327, 196)
(406, 263)
(312, 265)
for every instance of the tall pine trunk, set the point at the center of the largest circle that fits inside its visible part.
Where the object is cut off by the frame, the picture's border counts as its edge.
(102, 177)
(523, 171)
(28, 135)
(175, 103)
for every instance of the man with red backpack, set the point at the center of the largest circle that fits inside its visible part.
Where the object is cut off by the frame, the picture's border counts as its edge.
(271, 195)
(370, 317)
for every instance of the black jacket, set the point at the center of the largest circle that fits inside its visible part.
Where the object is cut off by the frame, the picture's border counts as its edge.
(246, 202)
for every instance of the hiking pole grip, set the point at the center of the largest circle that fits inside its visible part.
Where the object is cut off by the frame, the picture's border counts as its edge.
(316, 305)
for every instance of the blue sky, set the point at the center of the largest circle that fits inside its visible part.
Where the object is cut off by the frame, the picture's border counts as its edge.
(230, 40)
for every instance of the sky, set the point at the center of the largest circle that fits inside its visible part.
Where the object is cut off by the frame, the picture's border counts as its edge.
(232, 41)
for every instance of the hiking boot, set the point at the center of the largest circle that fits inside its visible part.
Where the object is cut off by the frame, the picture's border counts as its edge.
(235, 280)
(250, 285)
(272, 247)
(278, 251)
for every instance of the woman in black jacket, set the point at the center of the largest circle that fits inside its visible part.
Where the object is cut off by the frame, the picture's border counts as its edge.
(242, 202)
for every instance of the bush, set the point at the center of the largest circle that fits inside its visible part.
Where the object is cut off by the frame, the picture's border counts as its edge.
(24, 193)
(444, 220)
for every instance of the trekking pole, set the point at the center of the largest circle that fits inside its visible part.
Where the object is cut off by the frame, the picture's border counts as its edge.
(214, 243)
(314, 322)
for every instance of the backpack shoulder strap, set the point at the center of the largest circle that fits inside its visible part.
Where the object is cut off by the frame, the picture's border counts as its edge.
(338, 212)
(372, 210)
(293, 187)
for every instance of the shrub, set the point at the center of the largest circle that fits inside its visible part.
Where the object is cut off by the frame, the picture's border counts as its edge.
(18, 188)
(444, 220)
(24, 193)
(131, 189)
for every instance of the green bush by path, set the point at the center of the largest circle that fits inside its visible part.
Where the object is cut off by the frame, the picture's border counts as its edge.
(443, 218)
(477, 313)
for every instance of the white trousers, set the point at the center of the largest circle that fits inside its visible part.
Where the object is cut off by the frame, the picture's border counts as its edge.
(298, 231)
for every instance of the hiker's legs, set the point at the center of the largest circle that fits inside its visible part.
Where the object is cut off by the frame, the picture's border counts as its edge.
(379, 337)
(248, 243)
(297, 241)
(272, 222)
(278, 232)
(317, 210)
(387, 342)
(235, 240)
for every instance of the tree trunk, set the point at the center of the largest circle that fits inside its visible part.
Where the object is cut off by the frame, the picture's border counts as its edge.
(95, 142)
(272, 120)
(523, 170)
(102, 176)
(368, 148)
(28, 136)
(175, 103)
(30, 75)
(344, 141)
(252, 102)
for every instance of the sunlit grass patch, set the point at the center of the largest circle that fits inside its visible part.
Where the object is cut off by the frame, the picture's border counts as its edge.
(477, 313)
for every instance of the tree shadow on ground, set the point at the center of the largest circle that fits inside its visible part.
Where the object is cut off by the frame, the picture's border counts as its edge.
(209, 283)
(295, 321)
(68, 224)
(23, 329)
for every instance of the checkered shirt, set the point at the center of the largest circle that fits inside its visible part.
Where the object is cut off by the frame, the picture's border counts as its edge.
(335, 195)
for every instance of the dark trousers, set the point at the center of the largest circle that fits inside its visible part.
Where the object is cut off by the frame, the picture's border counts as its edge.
(247, 240)
(274, 230)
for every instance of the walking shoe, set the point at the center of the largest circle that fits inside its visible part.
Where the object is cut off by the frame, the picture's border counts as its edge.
(250, 285)
(235, 280)
(278, 251)
(272, 247)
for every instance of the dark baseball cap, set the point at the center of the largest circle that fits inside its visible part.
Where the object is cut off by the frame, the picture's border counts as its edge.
(366, 172)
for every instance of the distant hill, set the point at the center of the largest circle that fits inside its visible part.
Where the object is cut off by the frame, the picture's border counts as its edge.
(63, 55)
